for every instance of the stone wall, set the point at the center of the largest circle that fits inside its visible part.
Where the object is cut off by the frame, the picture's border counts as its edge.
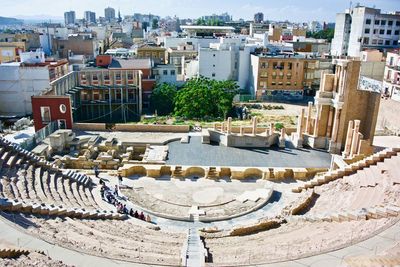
(132, 127)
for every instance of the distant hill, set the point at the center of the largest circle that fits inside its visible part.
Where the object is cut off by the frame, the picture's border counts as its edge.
(9, 21)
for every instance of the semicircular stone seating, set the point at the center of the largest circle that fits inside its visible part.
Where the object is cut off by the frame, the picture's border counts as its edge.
(29, 184)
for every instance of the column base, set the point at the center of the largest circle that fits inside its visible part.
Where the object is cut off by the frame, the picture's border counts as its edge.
(297, 142)
(335, 148)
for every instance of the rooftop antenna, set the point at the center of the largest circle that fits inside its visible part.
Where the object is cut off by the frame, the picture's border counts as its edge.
(351, 4)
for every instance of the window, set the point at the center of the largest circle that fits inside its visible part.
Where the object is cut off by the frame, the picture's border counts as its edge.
(395, 42)
(172, 72)
(130, 76)
(375, 31)
(290, 65)
(366, 40)
(295, 83)
(374, 41)
(280, 83)
(389, 32)
(381, 31)
(83, 77)
(214, 65)
(118, 76)
(45, 115)
(398, 23)
(264, 65)
(264, 74)
(275, 65)
(107, 77)
(380, 42)
(63, 108)
(213, 75)
(367, 31)
(263, 84)
(273, 83)
(390, 22)
(94, 77)
(387, 42)
(165, 72)
(288, 83)
(396, 32)
(213, 55)
(377, 22)
(368, 21)
(383, 22)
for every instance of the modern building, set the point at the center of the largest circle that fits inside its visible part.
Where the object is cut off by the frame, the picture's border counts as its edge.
(258, 17)
(69, 18)
(21, 80)
(179, 55)
(90, 17)
(363, 27)
(109, 14)
(391, 80)
(165, 73)
(286, 73)
(101, 95)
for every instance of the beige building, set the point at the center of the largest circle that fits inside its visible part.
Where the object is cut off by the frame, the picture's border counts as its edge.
(282, 72)
(9, 51)
(154, 52)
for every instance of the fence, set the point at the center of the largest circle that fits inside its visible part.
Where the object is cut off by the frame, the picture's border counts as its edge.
(274, 98)
(40, 135)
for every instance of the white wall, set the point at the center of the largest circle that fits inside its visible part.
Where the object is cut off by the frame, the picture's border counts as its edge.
(17, 85)
(219, 64)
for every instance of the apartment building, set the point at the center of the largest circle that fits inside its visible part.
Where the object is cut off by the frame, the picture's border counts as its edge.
(391, 80)
(288, 73)
(69, 18)
(77, 44)
(21, 80)
(154, 52)
(363, 27)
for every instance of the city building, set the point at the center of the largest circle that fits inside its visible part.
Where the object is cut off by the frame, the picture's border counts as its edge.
(100, 95)
(362, 27)
(315, 26)
(165, 73)
(207, 31)
(224, 17)
(21, 80)
(180, 54)
(391, 80)
(290, 74)
(109, 14)
(10, 51)
(77, 44)
(258, 17)
(90, 17)
(69, 18)
(152, 51)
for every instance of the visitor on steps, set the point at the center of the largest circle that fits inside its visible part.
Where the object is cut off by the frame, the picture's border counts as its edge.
(96, 171)
(120, 179)
(148, 219)
(141, 216)
(136, 214)
(116, 190)
(131, 213)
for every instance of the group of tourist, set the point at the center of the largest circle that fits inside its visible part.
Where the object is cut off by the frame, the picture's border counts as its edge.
(111, 197)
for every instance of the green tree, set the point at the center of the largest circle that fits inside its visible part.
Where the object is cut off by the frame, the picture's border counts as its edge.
(202, 98)
(162, 99)
(324, 34)
(154, 24)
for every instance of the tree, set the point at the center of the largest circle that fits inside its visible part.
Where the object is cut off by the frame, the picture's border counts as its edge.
(327, 34)
(205, 98)
(154, 24)
(162, 99)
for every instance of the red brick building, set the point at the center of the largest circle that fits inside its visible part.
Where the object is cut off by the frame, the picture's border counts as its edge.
(48, 108)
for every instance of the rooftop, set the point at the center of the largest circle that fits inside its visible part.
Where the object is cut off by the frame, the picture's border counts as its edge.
(133, 63)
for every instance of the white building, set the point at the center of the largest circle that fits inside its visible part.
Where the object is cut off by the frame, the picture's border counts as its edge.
(166, 73)
(362, 27)
(391, 79)
(18, 84)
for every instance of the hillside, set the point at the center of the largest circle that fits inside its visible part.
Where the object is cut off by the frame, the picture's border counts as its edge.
(9, 21)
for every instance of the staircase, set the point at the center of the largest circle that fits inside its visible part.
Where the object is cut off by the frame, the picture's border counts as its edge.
(193, 252)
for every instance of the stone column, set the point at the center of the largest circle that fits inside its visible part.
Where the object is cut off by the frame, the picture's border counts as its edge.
(300, 124)
(229, 126)
(336, 125)
(329, 126)
(354, 141)
(308, 122)
(282, 139)
(241, 130)
(349, 138)
(271, 128)
(254, 125)
(360, 138)
(316, 124)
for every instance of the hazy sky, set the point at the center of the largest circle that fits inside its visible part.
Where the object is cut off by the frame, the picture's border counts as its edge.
(293, 10)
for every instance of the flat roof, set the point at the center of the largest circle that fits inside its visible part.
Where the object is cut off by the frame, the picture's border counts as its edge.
(201, 27)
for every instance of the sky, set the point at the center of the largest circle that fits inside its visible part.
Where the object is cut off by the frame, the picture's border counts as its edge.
(292, 10)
